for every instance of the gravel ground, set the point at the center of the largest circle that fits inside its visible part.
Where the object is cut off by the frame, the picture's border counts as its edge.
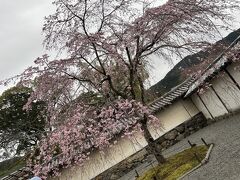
(224, 162)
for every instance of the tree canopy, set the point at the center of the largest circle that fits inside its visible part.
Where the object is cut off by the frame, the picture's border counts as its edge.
(19, 129)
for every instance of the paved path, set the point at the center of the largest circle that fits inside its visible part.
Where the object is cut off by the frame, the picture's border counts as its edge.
(224, 161)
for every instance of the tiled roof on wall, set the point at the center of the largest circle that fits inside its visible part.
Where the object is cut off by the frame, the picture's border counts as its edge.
(171, 96)
(217, 65)
(21, 174)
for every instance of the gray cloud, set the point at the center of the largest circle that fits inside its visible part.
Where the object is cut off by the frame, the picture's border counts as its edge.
(20, 33)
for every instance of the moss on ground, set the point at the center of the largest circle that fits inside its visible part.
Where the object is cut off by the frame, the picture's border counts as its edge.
(176, 165)
(11, 165)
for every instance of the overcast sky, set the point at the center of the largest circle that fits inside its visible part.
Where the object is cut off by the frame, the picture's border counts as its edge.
(20, 33)
(21, 39)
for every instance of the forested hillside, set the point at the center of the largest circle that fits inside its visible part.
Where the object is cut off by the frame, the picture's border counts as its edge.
(175, 76)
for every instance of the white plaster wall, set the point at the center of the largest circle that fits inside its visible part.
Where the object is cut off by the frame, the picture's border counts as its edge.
(234, 70)
(100, 162)
(228, 91)
(171, 117)
(200, 105)
(191, 107)
(213, 103)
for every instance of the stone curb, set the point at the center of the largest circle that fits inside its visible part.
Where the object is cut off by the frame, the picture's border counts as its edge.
(204, 161)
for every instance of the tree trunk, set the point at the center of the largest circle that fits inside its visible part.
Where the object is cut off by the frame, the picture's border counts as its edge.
(152, 145)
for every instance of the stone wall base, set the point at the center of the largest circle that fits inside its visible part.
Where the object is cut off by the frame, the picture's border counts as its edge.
(167, 140)
(182, 131)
